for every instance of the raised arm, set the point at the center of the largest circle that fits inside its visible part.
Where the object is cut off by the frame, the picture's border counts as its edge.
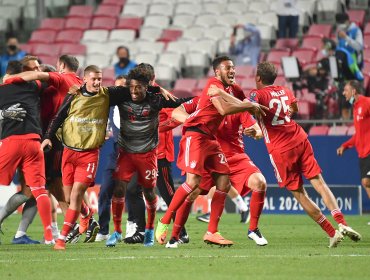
(29, 76)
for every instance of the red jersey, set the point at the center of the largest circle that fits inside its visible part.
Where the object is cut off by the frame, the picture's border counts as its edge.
(206, 117)
(230, 131)
(361, 120)
(59, 86)
(165, 145)
(280, 132)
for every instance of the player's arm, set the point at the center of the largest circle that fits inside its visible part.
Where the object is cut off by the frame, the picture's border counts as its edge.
(29, 76)
(293, 108)
(253, 131)
(57, 121)
(163, 103)
(346, 145)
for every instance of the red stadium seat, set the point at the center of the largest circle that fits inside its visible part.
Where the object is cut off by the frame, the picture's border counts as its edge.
(304, 110)
(357, 16)
(114, 2)
(367, 40)
(69, 36)
(280, 81)
(108, 11)
(338, 130)
(85, 11)
(287, 43)
(304, 56)
(367, 29)
(73, 49)
(248, 83)
(106, 23)
(318, 130)
(45, 59)
(243, 71)
(201, 84)
(320, 30)
(107, 82)
(56, 24)
(185, 84)
(46, 50)
(312, 43)
(78, 23)
(43, 36)
(130, 23)
(169, 35)
(276, 55)
(28, 48)
(108, 73)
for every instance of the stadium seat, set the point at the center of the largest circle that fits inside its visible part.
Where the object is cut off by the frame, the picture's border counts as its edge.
(108, 11)
(258, 7)
(201, 84)
(218, 32)
(250, 17)
(248, 83)
(182, 21)
(228, 19)
(338, 130)
(214, 8)
(106, 23)
(55, 24)
(223, 46)
(304, 110)
(188, 9)
(287, 43)
(163, 9)
(319, 130)
(367, 40)
(311, 43)
(280, 81)
(367, 29)
(327, 9)
(185, 84)
(165, 75)
(272, 20)
(100, 36)
(208, 47)
(114, 2)
(304, 56)
(193, 33)
(236, 8)
(97, 48)
(244, 71)
(134, 10)
(46, 50)
(46, 59)
(122, 35)
(100, 60)
(196, 63)
(275, 55)
(81, 11)
(28, 48)
(150, 33)
(133, 23)
(73, 49)
(174, 60)
(357, 16)
(77, 23)
(156, 21)
(43, 36)
(177, 47)
(169, 35)
(108, 73)
(69, 36)
(351, 130)
(267, 34)
(151, 47)
(205, 21)
(106, 82)
(144, 57)
(320, 30)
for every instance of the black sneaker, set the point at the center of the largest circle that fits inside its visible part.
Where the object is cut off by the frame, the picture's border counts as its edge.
(204, 218)
(92, 231)
(138, 237)
(184, 237)
(173, 243)
(74, 235)
(245, 217)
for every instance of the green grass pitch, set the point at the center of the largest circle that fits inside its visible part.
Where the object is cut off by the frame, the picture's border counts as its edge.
(297, 249)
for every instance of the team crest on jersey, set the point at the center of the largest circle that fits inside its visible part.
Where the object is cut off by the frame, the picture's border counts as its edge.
(189, 102)
(145, 113)
(193, 163)
(252, 96)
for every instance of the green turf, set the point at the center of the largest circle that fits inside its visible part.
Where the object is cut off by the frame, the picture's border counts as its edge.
(297, 249)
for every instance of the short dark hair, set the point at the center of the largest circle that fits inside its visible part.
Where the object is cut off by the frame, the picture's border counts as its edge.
(341, 18)
(47, 68)
(141, 74)
(267, 72)
(14, 67)
(92, 68)
(70, 61)
(149, 68)
(218, 60)
(120, 77)
(357, 86)
(124, 47)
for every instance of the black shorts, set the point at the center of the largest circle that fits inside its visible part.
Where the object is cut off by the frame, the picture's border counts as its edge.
(53, 161)
(365, 167)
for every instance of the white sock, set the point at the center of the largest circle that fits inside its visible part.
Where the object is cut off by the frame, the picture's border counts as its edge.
(19, 234)
(54, 225)
(239, 202)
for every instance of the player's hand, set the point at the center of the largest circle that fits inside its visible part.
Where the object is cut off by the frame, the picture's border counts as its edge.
(340, 151)
(213, 91)
(167, 95)
(250, 132)
(74, 90)
(256, 109)
(342, 34)
(13, 112)
(46, 145)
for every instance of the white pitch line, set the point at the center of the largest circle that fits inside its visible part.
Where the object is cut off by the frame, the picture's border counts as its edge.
(183, 257)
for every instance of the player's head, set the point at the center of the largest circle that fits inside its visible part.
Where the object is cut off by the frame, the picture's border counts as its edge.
(14, 67)
(266, 74)
(67, 63)
(138, 80)
(30, 63)
(149, 69)
(351, 90)
(93, 76)
(47, 68)
(224, 69)
(120, 80)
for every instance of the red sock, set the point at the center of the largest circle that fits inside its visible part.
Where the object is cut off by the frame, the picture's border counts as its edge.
(256, 206)
(118, 203)
(217, 207)
(182, 215)
(151, 209)
(85, 210)
(326, 225)
(179, 197)
(44, 209)
(69, 221)
(338, 217)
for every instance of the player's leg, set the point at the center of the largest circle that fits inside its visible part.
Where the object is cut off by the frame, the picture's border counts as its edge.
(205, 217)
(239, 203)
(365, 174)
(28, 214)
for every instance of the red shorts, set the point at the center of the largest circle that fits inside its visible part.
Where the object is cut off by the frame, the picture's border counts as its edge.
(144, 164)
(79, 166)
(289, 166)
(23, 153)
(241, 168)
(200, 154)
